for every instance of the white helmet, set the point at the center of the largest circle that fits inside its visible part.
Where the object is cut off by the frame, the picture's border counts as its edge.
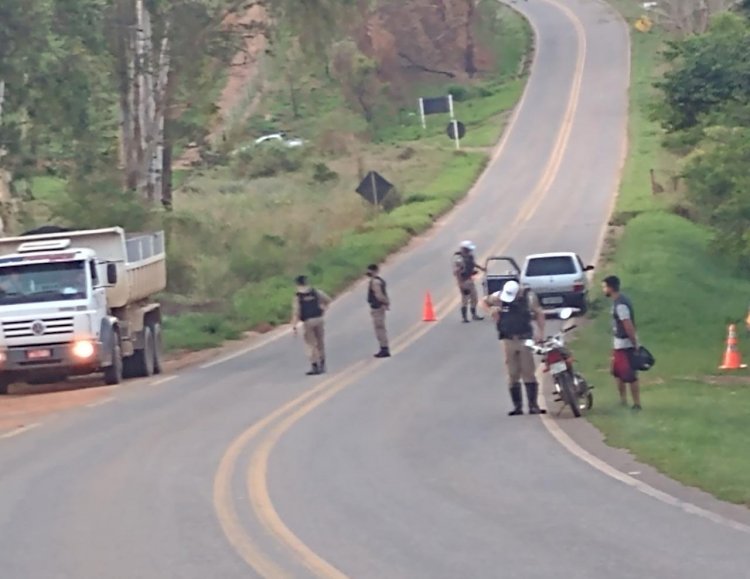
(466, 244)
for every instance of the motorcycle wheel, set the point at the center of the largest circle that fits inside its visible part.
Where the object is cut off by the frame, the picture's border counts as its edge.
(569, 395)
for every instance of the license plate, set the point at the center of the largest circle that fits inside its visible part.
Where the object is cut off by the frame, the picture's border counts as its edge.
(38, 354)
(555, 300)
(558, 367)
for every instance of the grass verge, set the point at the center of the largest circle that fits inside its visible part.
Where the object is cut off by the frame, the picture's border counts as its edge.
(693, 426)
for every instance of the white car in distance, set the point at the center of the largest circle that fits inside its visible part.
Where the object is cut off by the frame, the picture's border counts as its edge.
(280, 137)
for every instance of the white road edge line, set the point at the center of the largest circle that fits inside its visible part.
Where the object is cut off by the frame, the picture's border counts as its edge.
(263, 342)
(100, 402)
(163, 380)
(20, 430)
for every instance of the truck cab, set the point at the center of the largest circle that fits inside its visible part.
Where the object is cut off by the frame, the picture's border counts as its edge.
(66, 309)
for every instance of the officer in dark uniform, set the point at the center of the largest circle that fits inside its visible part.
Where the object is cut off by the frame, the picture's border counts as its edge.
(377, 297)
(464, 268)
(308, 306)
(514, 310)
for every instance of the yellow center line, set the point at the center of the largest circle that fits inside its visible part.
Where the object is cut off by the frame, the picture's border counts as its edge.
(257, 476)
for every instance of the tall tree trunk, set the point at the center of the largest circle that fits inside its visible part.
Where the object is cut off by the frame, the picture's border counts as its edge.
(470, 66)
(124, 23)
(2, 100)
(166, 181)
(140, 93)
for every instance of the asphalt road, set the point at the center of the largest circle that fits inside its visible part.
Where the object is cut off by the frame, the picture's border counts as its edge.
(407, 467)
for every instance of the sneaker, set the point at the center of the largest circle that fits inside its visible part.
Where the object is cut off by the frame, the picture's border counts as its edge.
(637, 407)
(516, 412)
(383, 353)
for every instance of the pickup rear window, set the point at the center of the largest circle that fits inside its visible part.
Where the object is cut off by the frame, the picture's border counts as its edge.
(544, 266)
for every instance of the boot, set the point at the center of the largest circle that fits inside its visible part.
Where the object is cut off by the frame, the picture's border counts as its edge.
(314, 371)
(532, 392)
(474, 315)
(515, 395)
(322, 366)
(463, 314)
(384, 353)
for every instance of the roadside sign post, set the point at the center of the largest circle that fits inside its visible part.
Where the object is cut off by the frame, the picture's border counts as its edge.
(456, 131)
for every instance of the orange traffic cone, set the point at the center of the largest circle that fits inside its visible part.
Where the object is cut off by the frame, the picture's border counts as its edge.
(732, 357)
(428, 314)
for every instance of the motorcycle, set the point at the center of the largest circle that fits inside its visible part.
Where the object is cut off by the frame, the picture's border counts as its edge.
(570, 386)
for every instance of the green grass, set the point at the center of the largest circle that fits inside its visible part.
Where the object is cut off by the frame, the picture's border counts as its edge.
(47, 188)
(694, 424)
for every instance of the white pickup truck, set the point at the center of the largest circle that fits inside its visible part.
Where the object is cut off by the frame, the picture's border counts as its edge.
(79, 302)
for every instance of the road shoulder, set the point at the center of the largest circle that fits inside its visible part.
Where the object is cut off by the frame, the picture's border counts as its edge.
(589, 439)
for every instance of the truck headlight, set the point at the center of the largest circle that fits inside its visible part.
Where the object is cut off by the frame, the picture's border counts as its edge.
(83, 349)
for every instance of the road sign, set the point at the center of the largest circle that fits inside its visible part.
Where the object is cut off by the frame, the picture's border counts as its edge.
(374, 187)
(434, 106)
(456, 130)
(437, 105)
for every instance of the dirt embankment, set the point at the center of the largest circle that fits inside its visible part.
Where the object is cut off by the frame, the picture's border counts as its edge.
(431, 38)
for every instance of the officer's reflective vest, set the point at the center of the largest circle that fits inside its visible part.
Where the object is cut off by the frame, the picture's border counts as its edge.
(515, 318)
(309, 305)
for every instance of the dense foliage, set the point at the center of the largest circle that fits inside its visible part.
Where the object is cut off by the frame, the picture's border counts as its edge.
(706, 113)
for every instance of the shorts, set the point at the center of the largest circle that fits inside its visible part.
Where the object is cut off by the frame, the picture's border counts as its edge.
(623, 366)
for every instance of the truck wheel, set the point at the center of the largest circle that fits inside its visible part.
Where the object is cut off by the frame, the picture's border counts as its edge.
(158, 347)
(113, 372)
(143, 360)
(4, 386)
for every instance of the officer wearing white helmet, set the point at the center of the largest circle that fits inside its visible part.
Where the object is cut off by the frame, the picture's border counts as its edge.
(464, 268)
(514, 309)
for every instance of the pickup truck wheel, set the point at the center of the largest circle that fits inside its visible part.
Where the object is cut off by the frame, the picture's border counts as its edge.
(158, 347)
(113, 372)
(143, 360)
(4, 386)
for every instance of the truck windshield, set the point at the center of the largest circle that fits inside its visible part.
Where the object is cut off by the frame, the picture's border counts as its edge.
(42, 282)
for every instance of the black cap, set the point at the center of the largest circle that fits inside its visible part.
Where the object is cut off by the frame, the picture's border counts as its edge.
(301, 279)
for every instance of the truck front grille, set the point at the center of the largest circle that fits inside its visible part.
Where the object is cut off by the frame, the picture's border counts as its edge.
(33, 328)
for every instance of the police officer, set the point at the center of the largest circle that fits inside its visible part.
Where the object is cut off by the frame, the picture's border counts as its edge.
(377, 297)
(514, 309)
(464, 268)
(308, 307)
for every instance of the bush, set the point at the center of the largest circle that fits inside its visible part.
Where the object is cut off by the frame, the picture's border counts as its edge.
(414, 217)
(322, 173)
(268, 301)
(198, 331)
(261, 263)
(266, 160)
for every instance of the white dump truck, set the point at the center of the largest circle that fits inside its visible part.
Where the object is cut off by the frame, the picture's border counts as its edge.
(79, 302)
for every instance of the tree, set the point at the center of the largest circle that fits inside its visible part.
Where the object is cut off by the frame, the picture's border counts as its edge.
(710, 72)
(358, 77)
(719, 184)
